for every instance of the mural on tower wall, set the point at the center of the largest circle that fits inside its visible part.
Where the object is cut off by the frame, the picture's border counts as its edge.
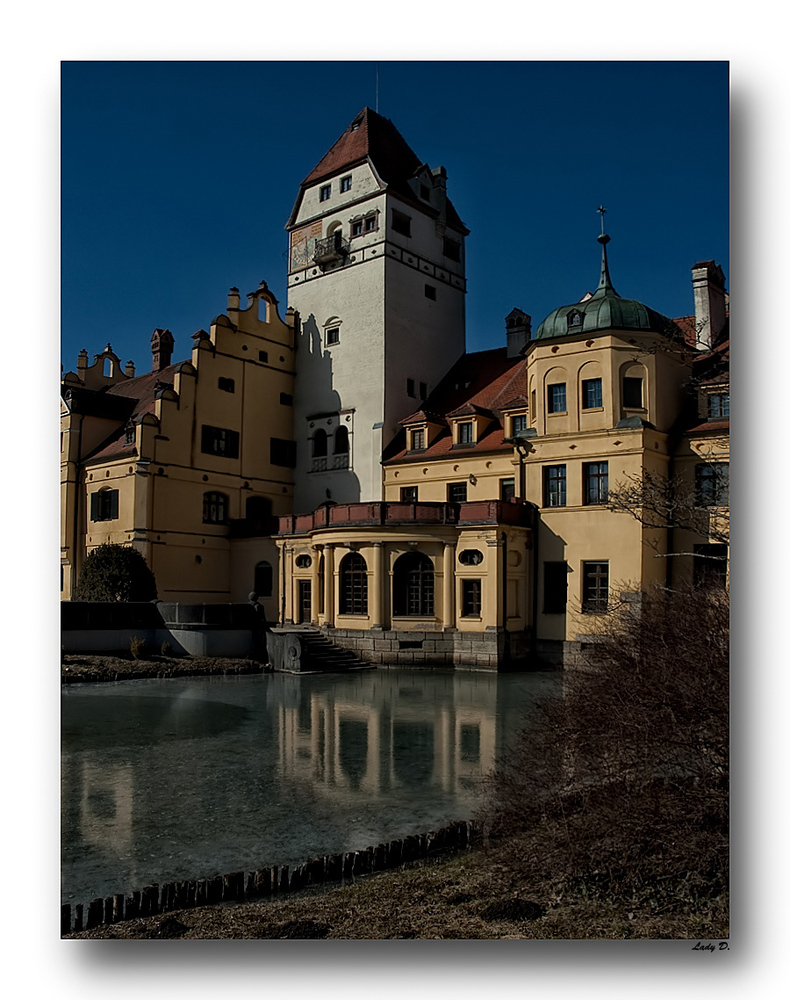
(303, 244)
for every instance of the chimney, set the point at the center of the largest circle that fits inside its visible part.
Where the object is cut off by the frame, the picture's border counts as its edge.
(82, 360)
(129, 369)
(519, 330)
(710, 306)
(161, 349)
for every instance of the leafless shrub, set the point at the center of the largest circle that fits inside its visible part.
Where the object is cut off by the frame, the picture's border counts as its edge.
(630, 766)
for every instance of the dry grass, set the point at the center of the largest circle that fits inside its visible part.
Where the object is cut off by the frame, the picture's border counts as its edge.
(78, 668)
(512, 889)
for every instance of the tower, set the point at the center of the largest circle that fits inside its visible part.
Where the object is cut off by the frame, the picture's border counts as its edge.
(376, 275)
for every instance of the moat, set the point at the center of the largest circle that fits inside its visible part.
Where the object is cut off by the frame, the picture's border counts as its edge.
(174, 779)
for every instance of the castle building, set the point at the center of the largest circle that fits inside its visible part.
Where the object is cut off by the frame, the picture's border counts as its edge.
(365, 476)
(189, 463)
(376, 275)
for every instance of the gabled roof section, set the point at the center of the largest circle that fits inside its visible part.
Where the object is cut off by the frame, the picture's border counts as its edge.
(129, 400)
(485, 382)
(371, 137)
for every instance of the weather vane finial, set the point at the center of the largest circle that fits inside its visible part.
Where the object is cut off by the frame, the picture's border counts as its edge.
(602, 211)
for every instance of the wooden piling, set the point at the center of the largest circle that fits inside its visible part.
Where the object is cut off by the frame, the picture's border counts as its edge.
(78, 917)
(95, 913)
(65, 919)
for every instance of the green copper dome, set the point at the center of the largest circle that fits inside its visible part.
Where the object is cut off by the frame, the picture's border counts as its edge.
(604, 310)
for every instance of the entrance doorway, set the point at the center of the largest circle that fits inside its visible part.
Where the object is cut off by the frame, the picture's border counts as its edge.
(305, 602)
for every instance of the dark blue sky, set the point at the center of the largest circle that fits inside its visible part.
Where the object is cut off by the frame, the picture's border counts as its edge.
(178, 178)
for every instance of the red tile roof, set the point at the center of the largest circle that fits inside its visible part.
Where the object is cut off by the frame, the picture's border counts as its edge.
(143, 390)
(486, 382)
(374, 138)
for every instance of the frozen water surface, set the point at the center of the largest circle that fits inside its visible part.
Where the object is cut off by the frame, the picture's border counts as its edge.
(179, 779)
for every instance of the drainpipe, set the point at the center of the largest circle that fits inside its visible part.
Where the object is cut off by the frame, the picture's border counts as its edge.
(533, 636)
(282, 585)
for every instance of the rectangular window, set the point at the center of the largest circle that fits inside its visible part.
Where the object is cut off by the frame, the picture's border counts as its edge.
(345, 184)
(596, 482)
(333, 335)
(370, 224)
(518, 424)
(507, 489)
(456, 492)
(471, 598)
(555, 588)
(408, 494)
(418, 440)
(713, 484)
(423, 390)
(595, 587)
(219, 441)
(466, 432)
(286, 399)
(263, 356)
(451, 248)
(356, 228)
(226, 384)
(556, 400)
(424, 192)
(215, 508)
(719, 405)
(554, 486)
(710, 566)
(325, 193)
(410, 387)
(282, 452)
(592, 393)
(430, 293)
(632, 393)
(104, 505)
(401, 223)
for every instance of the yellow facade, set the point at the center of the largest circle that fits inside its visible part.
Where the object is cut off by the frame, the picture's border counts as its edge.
(195, 464)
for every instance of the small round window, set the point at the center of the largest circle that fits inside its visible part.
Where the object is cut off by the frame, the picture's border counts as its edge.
(303, 562)
(470, 557)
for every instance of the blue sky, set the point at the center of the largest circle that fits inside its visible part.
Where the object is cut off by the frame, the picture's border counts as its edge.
(178, 178)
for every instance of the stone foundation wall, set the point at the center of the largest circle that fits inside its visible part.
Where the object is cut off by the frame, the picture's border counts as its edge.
(489, 650)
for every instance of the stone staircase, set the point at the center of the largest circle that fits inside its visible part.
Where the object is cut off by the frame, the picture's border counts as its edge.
(301, 649)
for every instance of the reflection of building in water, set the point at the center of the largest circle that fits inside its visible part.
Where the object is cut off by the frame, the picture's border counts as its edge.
(440, 733)
(106, 806)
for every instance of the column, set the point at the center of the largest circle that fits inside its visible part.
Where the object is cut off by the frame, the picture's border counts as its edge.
(492, 587)
(376, 586)
(287, 584)
(448, 585)
(329, 585)
(315, 551)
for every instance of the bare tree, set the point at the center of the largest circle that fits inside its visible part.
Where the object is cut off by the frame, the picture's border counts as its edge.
(657, 501)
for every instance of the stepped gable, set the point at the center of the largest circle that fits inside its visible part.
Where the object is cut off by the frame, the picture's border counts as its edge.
(142, 390)
(484, 382)
(374, 138)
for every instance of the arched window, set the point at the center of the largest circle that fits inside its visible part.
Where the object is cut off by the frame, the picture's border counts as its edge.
(341, 441)
(319, 443)
(412, 586)
(215, 508)
(353, 585)
(263, 579)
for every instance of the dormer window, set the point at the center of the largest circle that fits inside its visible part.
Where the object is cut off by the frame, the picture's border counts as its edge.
(575, 320)
(129, 434)
(719, 405)
(518, 424)
(424, 192)
(418, 439)
(325, 192)
(466, 432)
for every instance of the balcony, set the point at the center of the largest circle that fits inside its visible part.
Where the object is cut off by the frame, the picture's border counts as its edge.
(381, 514)
(331, 250)
(330, 463)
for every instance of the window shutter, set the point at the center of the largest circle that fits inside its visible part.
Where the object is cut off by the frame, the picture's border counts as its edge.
(113, 504)
(94, 506)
